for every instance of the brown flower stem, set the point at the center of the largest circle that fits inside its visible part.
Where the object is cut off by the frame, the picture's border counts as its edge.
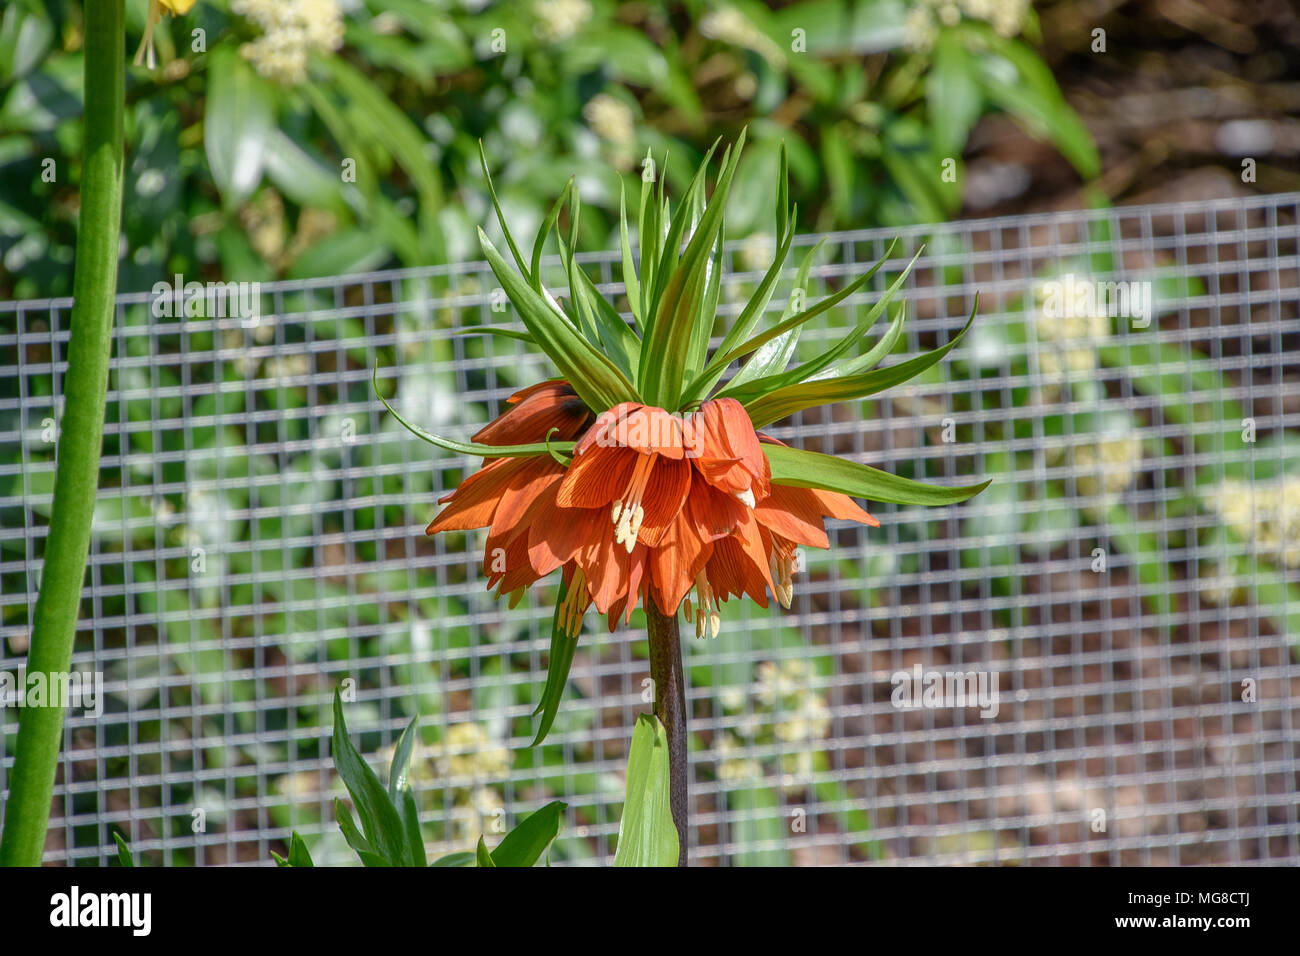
(670, 707)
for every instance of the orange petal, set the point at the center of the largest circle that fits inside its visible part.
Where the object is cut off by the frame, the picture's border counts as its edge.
(676, 562)
(605, 421)
(522, 494)
(835, 505)
(596, 477)
(534, 412)
(608, 567)
(473, 504)
(793, 513)
(726, 448)
(645, 428)
(715, 514)
(664, 499)
(509, 566)
(552, 543)
(739, 565)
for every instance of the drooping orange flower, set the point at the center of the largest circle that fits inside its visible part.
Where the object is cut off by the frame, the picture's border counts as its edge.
(651, 506)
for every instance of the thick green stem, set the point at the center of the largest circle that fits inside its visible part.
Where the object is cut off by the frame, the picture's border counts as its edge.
(40, 729)
(670, 707)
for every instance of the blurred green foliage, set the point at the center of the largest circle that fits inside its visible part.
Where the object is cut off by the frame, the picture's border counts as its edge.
(371, 159)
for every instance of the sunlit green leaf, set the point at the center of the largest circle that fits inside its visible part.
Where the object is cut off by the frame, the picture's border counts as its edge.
(647, 835)
(810, 469)
(563, 647)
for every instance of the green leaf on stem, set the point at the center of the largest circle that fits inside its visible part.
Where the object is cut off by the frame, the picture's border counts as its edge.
(298, 853)
(380, 820)
(124, 857)
(809, 469)
(647, 835)
(563, 647)
(525, 844)
(781, 402)
(552, 448)
(397, 770)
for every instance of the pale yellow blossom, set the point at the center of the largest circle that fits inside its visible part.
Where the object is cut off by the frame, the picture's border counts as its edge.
(291, 31)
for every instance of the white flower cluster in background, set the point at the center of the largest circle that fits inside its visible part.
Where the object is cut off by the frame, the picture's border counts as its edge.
(609, 118)
(469, 754)
(926, 16)
(559, 20)
(1109, 465)
(729, 25)
(291, 31)
(786, 709)
(1266, 514)
(1070, 343)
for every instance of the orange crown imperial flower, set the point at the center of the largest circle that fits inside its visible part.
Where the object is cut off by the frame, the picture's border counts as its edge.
(639, 473)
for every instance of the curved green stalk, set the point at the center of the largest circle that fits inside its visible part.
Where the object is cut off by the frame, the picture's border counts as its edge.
(40, 729)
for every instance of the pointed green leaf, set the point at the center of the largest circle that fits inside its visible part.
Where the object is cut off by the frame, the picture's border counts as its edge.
(703, 330)
(610, 322)
(794, 398)
(379, 818)
(793, 321)
(299, 856)
(501, 217)
(593, 376)
(599, 320)
(665, 353)
(874, 356)
(647, 835)
(775, 377)
(397, 770)
(355, 840)
(473, 448)
(563, 647)
(647, 237)
(744, 324)
(484, 857)
(525, 844)
(630, 282)
(775, 355)
(503, 331)
(782, 191)
(124, 857)
(410, 815)
(809, 469)
(692, 201)
(544, 232)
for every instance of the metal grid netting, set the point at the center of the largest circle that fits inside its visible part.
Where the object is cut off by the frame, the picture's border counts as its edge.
(259, 542)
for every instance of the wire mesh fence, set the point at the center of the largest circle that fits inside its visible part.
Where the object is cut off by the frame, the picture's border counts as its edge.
(1122, 604)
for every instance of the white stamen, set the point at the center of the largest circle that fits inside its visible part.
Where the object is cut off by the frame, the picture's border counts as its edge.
(747, 496)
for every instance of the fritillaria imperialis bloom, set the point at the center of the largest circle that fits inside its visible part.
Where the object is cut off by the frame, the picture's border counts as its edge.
(641, 472)
(652, 507)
